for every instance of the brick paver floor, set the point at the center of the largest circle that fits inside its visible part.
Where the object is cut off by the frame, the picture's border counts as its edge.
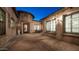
(39, 42)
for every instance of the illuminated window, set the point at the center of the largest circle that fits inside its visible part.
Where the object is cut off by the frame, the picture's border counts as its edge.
(68, 23)
(50, 26)
(37, 27)
(53, 25)
(72, 23)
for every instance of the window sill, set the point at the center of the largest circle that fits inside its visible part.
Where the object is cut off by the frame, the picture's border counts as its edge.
(72, 35)
(51, 32)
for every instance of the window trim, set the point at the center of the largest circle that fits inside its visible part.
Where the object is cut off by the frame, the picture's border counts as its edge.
(55, 24)
(71, 24)
(46, 26)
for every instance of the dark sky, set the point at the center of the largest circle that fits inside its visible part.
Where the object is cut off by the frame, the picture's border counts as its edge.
(39, 12)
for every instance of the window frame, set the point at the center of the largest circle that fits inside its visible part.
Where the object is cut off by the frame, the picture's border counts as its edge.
(54, 25)
(50, 26)
(46, 26)
(36, 27)
(64, 23)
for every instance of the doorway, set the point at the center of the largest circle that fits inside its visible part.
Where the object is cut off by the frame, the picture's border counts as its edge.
(25, 28)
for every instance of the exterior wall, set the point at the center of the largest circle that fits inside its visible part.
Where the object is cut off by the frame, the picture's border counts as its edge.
(60, 34)
(25, 18)
(38, 23)
(10, 32)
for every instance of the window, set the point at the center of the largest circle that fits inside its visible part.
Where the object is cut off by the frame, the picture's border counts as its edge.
(2, 22)
(75, 23)
(68, 23)
(37, 27)
(72, 23)
(53, 25)
(50, 25)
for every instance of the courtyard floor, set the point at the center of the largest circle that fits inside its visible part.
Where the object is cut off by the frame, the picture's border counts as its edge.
(40, 42)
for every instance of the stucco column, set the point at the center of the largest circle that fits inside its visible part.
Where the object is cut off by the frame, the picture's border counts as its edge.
(21, 27)
(44, 26)
(6, 25)
(59, 30)
(30, 28)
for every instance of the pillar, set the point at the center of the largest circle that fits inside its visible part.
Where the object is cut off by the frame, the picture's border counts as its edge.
(59, 29)
(21, 27)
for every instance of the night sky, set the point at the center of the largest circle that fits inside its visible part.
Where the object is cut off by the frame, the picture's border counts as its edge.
(39, 12)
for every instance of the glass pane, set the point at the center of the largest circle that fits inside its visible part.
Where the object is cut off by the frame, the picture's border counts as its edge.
(68, 23)
(53, 25)
(48, 26)
(75, 23)
(36, 27)
(75, 15)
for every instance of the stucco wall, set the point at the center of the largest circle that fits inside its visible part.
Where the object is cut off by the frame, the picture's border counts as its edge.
(33, 23)
(25, 18)
(60, 34)
(10, 32)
